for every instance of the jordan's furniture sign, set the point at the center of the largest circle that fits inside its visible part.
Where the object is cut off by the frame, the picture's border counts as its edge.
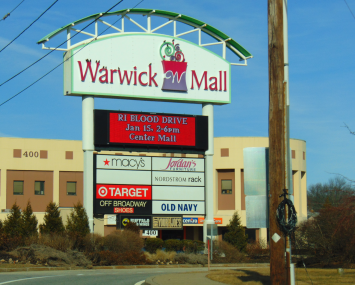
(150, 130)
(141, 185)
(147, 67)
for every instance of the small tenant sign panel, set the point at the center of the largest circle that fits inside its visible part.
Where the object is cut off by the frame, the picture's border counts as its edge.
(142, 185)
(155, 222)
(167, 223)
(144, 222)
(114, 129)
(147, 67)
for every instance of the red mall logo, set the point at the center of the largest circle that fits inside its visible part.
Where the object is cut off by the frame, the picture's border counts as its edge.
(174, 68)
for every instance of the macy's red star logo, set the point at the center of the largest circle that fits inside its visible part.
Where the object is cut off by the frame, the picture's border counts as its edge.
(106, 162)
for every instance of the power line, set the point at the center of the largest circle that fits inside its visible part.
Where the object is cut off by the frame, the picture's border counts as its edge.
(8, 14)
(349, 9)
(38, 60)
(29, 26)
(67, 58)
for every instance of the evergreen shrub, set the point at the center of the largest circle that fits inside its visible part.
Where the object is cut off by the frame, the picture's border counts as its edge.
(193, 246)
(153, 244)
(29, 222)
(78, 225)
(173, 245)
(235, 234)
(53, 222)
(13, 226)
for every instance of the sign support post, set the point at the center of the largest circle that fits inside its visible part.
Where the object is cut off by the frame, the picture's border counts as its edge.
(207, 110)
(88, 148)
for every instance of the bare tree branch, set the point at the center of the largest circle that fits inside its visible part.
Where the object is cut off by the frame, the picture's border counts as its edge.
(351, 181)
(350, 131)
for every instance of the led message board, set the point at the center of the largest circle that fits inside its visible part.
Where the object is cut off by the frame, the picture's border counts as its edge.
(114, 129)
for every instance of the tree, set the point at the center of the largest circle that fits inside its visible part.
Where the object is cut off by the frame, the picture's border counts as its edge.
(331, 193)
(330, 236)
(29, 221)
(78, 221)
(13, 222)
(53, 222)
(78, 225)
(236, 234)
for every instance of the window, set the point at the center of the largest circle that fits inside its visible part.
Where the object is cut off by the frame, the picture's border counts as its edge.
(224, 152)
(71, 188)
(226, 186)
(39, 187)
(18, 187)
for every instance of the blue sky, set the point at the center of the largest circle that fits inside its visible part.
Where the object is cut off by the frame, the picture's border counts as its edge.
(321, 57)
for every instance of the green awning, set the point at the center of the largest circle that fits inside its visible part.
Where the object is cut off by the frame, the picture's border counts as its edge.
(212, 31)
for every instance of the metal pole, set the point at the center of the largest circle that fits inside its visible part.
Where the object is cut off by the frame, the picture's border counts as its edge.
(277, 147)
(208, 255)
(207, 110)
(88, 148)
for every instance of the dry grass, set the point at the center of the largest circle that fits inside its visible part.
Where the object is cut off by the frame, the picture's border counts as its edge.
(261, 276)
(18, 265)
(56, 241)
(160, 255)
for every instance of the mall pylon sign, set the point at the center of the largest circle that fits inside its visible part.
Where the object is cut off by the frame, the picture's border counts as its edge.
(147, 67)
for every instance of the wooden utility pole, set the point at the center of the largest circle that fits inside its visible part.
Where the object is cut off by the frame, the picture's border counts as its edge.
(277, 142)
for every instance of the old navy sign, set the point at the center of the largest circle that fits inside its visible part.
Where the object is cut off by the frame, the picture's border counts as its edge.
(148, 67)
(179, 207)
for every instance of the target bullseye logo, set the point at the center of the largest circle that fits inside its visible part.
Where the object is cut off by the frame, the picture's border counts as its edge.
(102, 191)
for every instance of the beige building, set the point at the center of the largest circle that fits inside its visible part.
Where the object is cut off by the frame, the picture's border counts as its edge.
(44, 170)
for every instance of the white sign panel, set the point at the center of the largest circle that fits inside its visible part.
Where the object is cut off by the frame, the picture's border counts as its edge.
(148, 67)
(178, 178)
(123, 162)
(110, 219)
(178, 164)
(151, 233)
(179, 207)
(178, 193)
(132, 177)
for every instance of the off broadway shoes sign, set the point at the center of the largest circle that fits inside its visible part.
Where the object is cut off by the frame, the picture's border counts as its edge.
(148, 67)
